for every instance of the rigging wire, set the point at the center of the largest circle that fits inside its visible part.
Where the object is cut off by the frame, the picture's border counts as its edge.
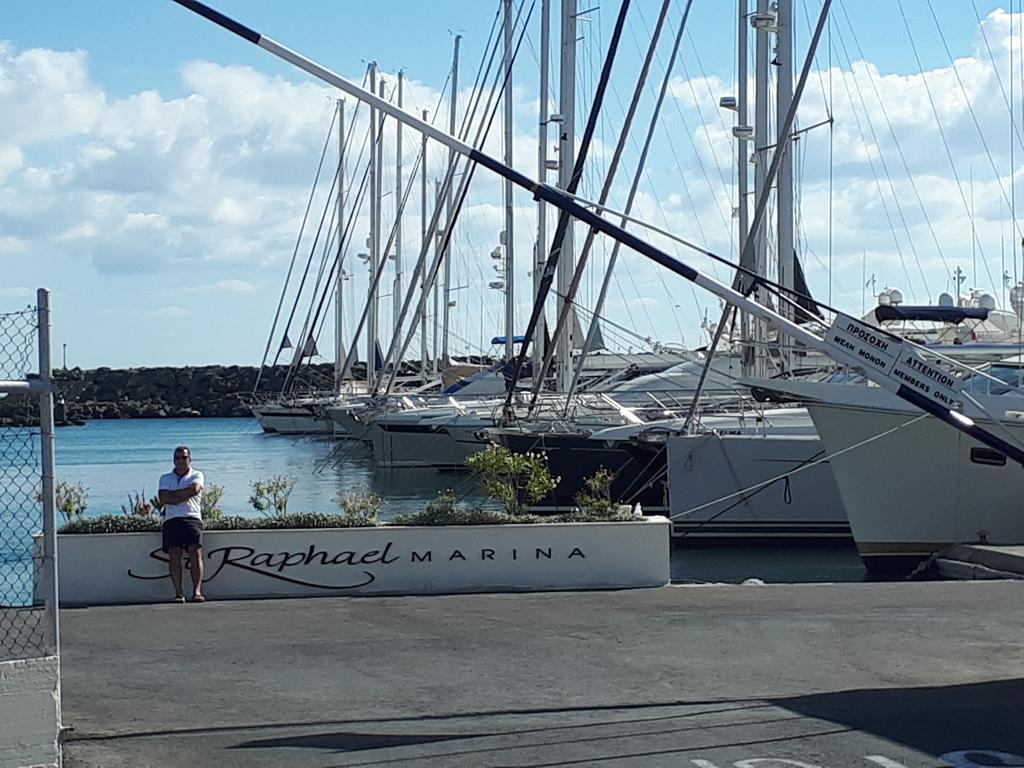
(882, 197)
(295, 251)
(970, 108)
(899, 148)
(938, 123)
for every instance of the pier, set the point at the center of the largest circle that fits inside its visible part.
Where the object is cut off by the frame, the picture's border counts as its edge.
(824, 676)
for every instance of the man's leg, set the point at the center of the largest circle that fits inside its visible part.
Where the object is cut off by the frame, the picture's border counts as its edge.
(174, 561)
(195, 560)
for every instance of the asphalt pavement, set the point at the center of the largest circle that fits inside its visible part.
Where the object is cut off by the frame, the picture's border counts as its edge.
(903, 675)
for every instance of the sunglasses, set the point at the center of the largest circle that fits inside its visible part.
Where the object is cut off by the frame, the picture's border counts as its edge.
(180, 456)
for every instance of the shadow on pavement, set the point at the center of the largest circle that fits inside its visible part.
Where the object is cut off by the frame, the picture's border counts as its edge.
(343, 741)
(934, 720)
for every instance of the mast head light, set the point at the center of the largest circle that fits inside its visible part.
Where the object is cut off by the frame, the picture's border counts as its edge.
(743, 132)
(727, 102)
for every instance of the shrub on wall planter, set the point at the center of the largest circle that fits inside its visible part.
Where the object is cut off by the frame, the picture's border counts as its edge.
(303, 520)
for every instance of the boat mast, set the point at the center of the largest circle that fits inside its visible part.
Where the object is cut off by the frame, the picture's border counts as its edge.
(540, 248)
(397, 290)
(762, 19)
(510, 319)
(339, 342)
(641, 164)
(740, 132)
(424, 288)
(784, 210)
(371, 298)
(381, 257)
(448, 208)
(438, 239)
(564, 316)
(566, 157)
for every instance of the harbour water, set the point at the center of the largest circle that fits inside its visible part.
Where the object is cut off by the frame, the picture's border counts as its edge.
(116, 458)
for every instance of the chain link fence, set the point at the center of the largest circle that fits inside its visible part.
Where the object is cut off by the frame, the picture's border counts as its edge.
(25, 630)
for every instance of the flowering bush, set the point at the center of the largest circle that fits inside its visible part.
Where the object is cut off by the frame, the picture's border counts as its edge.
(515, 480)
(138, 506)
(69, 498)
(272, 493)
(360, 507)
(209, 502)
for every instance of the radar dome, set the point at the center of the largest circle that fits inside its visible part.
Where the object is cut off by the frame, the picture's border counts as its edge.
(883, 299)
(896, 296)
(945, 300)
(987, 301)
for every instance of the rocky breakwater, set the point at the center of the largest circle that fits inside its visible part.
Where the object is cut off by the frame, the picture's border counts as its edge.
(156, 393)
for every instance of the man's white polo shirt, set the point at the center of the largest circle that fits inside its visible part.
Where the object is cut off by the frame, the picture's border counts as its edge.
(190, 508)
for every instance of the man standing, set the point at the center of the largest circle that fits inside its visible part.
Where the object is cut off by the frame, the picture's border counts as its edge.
(180, 493)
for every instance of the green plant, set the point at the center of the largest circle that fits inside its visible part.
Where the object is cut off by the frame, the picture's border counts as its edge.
(69, 498)
(137, 505)
(209, 502)
(312, 520)
(112, 524)
(122, 524)
(443, 504)
(515, 480)
(439, 514)
(158, 506)
(361, 507)
(596, 496)
(271, 496)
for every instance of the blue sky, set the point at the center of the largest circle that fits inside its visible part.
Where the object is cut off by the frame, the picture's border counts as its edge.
(154, 169)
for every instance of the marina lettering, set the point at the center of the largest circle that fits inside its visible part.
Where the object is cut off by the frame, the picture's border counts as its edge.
(878, 342)
(873, 359)
(261, 562)
(840, 341)
(913, 381)
(492, 555)
(940, 377)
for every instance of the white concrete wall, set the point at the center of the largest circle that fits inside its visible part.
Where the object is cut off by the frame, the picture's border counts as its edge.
(29, 713)
(128, 568)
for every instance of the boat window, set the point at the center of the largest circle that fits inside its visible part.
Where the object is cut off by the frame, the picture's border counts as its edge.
(1011, 376)
(847, 376)
(988, 456)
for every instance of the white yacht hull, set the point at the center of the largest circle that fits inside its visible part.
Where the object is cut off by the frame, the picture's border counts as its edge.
(717, 487)
(347, 423)
(424, 444)
(920, 488)
(283, 419)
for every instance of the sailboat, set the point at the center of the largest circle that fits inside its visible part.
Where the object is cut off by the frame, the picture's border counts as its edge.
(982, 416)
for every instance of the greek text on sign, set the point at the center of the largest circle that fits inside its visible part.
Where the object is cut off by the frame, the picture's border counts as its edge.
(928, 379)
(858, 343)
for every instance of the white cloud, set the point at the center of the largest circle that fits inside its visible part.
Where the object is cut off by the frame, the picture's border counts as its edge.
(224, 286)
(9, 245)
(213, 183)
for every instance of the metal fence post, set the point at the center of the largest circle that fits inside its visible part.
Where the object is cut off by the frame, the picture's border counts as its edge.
(46, 436)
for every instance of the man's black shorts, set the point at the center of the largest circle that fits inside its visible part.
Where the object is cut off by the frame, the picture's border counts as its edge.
(182, 532)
